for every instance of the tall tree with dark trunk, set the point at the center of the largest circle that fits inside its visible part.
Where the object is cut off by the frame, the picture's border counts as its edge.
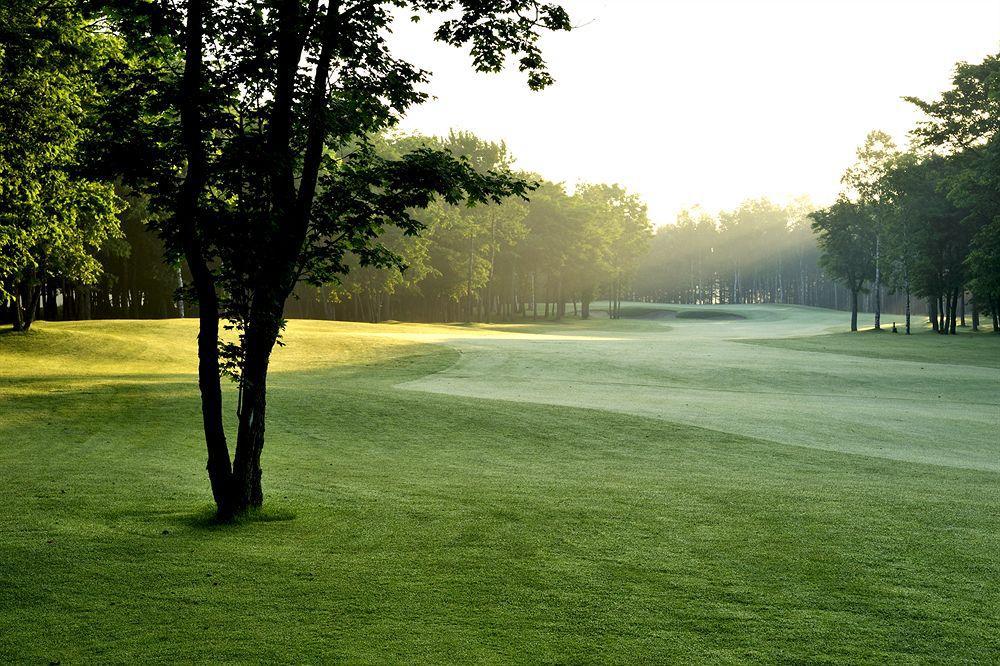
(282, 184)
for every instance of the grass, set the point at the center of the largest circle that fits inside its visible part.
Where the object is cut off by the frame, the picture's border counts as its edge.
(436, 494)
(922, 346)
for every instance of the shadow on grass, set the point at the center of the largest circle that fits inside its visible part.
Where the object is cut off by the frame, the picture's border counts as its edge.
(7, 329)
(205, 517)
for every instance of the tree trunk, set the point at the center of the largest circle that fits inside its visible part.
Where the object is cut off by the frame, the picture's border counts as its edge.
(907, 306)
(49, 308)
(854, 310)
(878, 285)
(585, 299)
(953, 310)
(25, 306)
(209, 383)
(247, 490)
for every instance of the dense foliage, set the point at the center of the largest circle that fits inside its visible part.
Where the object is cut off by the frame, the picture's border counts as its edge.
(52, 217)
(931, 215)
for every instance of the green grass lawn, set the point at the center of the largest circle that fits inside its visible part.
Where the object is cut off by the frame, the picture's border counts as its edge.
(626, 491)
(922, 346)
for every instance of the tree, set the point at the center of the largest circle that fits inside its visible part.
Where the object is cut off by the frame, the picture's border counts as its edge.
(282, 183)
(867, 183)
(847, 242)
(901, 228)
(983, 264)
(53, 221)
(619, 229)
(962, 125)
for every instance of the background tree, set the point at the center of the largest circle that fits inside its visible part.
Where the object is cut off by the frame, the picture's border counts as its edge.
(867, 183)
(962, 125)
(847, 241)
(53, 221)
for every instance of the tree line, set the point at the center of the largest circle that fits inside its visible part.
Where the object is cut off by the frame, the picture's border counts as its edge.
(924, 223)
(534, 257)
(759, 252)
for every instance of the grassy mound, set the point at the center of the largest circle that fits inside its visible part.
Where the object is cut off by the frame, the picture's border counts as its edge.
(720, 315)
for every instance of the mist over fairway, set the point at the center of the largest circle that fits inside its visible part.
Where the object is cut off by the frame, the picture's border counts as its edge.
(522, 492)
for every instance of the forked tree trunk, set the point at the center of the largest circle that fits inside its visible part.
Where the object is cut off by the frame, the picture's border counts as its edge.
(247, 491)
(25, 307)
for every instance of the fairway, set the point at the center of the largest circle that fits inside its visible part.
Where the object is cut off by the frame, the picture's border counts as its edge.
(738, 483)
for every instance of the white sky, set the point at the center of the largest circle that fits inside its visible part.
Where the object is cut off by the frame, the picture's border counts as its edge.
(710, 101)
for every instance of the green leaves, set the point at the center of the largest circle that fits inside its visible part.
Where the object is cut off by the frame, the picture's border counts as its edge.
(962, 127)
(52, 220)
(846, 239)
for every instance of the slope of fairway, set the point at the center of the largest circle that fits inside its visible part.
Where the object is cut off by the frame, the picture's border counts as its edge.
(410, 522)
(698, 371)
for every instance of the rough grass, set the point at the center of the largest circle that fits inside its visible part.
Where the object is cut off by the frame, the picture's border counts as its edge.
(406, 525)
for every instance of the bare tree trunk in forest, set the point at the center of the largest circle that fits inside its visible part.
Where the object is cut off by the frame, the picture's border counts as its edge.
(561, 299)
(468, 286)
(488, 318)
(907, 288)
(585, 297)
(534, 303)
(854, 309)
(180, 292)
(324, 301)
(962, 309)
(954, 312)
(975, 314)
(50, 310)
(878, 283)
